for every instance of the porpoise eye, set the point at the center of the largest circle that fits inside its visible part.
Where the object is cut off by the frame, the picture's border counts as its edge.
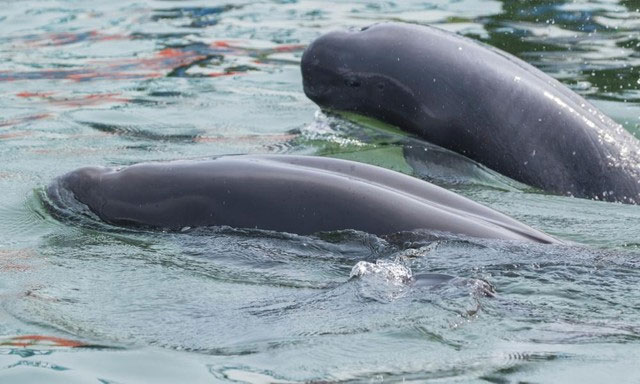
(351, 82)
(381, 86)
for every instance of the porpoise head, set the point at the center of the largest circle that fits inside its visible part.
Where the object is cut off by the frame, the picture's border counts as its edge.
(82, 185)
(161, 195)
(362, 71)
(332, 73)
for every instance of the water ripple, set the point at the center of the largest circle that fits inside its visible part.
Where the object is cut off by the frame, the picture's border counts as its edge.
(115, 83)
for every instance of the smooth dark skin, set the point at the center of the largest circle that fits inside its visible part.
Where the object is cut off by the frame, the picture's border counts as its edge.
(478, 101)
(296, 194)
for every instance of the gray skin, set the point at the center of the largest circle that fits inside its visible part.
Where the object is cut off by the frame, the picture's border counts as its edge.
(478, 101)
(295, 194)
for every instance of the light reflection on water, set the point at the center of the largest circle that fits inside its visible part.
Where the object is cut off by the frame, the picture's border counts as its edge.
(114, 84)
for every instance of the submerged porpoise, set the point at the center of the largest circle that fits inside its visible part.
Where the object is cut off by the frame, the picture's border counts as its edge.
(295, 194)
(478, 101)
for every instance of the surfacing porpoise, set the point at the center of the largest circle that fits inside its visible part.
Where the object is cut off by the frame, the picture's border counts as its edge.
(478, 101)
(295, 194)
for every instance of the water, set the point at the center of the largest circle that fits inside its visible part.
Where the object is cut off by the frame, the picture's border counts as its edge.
(114, 83)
